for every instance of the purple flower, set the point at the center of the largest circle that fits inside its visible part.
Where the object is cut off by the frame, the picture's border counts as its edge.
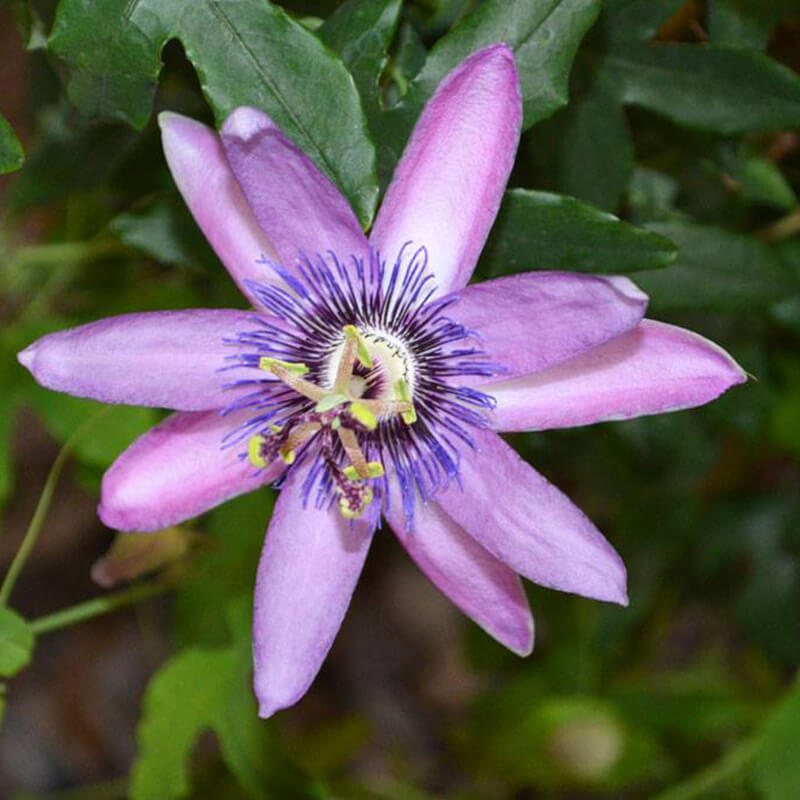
(370, 380)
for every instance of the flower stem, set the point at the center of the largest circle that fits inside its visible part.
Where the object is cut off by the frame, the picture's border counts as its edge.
(42, 507)
(95, 607)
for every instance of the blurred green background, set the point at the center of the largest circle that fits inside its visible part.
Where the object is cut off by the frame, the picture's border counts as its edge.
(682, 118)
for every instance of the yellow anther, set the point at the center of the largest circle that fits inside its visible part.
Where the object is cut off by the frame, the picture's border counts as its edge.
(350, 513)
(362, 353)
(330, 401)
(374, 470)
(276, 428)
(287, 455)
(403, 393)
(362, 414)
(294, 367)
(254, 451)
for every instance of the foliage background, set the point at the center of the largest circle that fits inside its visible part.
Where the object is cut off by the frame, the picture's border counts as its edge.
(682, 120)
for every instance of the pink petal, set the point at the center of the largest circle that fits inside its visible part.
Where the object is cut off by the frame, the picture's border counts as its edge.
(483, 588)
(176, 471)
(300, 210)
(512, 511)
(168, 359)
(308, 571)
(448, 185)
(532, 321)
(204, 177)
(652, 369)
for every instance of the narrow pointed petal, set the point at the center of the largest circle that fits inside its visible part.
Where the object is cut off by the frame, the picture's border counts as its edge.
(166, 359)
(485, 589)
(298, 208)
(650, 370)
(201, 171)
(308, 571)
(177, 471)
(526, 522)
(448, 185)
(529, 322)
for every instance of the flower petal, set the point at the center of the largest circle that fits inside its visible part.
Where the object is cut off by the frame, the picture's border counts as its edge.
(448, 185)
(201, 171)
(308, 571)
(176, 471)
(652, 369)
(529, 322)
(168, 359)
(521, 518)
(485, 589)
(299, 209)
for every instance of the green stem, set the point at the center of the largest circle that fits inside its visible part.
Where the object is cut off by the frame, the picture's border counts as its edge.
(42, 507)
(96, 607)
(716, 776)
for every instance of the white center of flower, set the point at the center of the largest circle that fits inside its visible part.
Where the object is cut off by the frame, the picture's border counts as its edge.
(392, 361)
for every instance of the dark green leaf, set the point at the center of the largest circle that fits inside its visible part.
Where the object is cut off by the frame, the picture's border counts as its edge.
(746, 23)
(164, 229)
(761, 181)
(586, 150)
(16, 643)
(246, 52)
(716, 270)
(11, 155)
(775, 771)
(360, 31)
(719, 89)
(538, 230)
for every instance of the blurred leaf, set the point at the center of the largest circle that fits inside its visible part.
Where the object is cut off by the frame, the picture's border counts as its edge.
(762, 182)
(587, 148)
(776, 772)
(224, 573)
(246, 53)
(360, 31)
(7, 409)
(746, 23)
(16, 643)
(716, 269)
(200, 690)
(651, 194)
(544, 34)
(11, 155)
(110, 434)
(163, 228)
(59, 154)
(538, 230)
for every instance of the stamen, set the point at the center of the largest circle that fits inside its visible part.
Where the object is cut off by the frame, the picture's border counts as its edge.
(404, 395)
(351, 446)
(361, 413)
(254, 447)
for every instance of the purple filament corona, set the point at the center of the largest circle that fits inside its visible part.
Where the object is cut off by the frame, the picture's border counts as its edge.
(306, 316)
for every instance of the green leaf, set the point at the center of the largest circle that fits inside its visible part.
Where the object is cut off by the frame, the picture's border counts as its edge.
(164, 229)
(11, 155)
(762, 182)
(360, 31)
(720, 89)
(775, 771)
(16, 643)
(108, 437)
(588, 151)
(746, 23)
(246, 52)
(538, 230)
(716, 270)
